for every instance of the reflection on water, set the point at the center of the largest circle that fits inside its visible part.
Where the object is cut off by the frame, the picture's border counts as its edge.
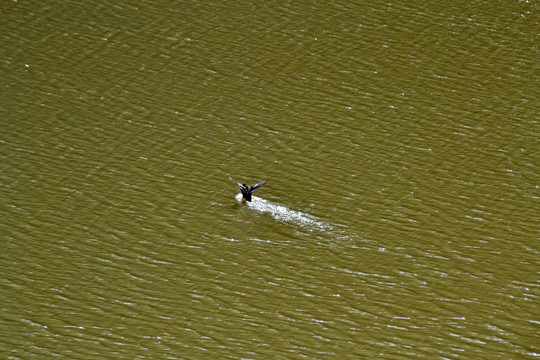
(283, 213)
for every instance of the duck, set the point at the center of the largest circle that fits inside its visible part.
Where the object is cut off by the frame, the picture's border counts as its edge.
(247, 190)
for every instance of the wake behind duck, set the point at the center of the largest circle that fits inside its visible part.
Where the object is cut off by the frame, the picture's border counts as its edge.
(279, 212)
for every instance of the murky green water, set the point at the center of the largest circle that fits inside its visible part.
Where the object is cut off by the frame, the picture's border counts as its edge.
(401, 148)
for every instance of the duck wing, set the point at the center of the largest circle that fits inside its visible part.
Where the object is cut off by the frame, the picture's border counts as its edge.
(257, 185)
(237, 183)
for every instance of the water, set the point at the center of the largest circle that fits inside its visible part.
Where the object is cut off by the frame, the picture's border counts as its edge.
(400, 143)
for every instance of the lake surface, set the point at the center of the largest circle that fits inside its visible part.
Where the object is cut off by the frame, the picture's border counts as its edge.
(401, 143)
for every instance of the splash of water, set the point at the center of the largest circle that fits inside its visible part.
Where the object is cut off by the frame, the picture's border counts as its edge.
(283, 213)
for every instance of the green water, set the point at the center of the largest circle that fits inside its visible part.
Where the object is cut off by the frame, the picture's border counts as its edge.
(400, 144)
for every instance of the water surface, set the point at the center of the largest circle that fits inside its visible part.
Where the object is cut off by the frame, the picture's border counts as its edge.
(400, 143)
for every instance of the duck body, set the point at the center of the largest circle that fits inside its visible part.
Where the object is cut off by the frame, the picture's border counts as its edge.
(247, 190)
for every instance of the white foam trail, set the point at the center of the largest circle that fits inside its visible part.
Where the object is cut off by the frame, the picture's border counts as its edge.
(281, 212)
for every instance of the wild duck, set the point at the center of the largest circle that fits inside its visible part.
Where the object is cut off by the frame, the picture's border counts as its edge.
(247, 190)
